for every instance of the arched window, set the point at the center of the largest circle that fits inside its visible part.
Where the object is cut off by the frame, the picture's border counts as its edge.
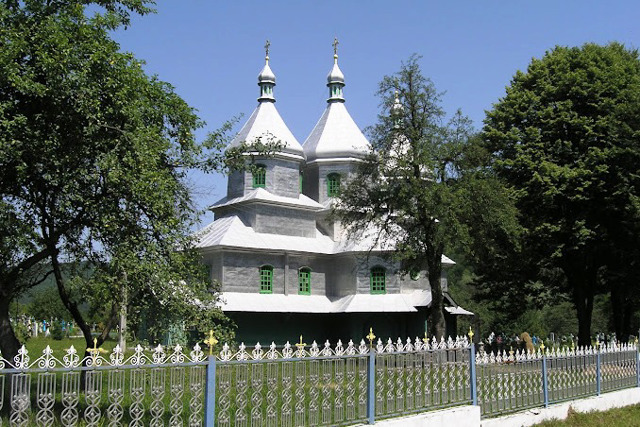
(266, 279)
(304, 281)
(378, 280)
(333, 184)
(260, 176)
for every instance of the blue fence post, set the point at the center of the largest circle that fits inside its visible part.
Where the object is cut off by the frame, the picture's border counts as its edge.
(472, 370)
(598, 373)
(210, 394)
(371, 396)
(545, 383)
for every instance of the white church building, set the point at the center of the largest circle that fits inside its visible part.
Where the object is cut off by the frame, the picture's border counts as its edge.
(285, 268)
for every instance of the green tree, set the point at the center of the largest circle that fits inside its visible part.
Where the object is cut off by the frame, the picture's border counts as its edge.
(565, 138)
(94, 156)
(422, 183)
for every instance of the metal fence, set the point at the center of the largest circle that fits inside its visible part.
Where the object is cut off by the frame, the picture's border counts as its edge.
(509, 382)
(298, 384)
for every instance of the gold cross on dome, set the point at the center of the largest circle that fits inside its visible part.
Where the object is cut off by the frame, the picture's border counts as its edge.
(266, 48)
(211, 341)
(370, 337)
(335, 45)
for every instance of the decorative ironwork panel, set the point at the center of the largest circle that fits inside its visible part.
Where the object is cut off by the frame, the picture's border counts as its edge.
(46, 398)
(257, 383)
(241, 387)
(158, 387)
(223, 392)
(197, 378)
(20, 399)
(92, 395)
(400, 381)
(70, 398)
(314, 392)
(618, 368)
(176, 390)
(380, 382)
(339, 391)
(115, 392)
(286, 414)
(327, 379)
(409, 378)
(362, 387)
(137, 384)
(351, 374)
(300, 393)
(272, 394)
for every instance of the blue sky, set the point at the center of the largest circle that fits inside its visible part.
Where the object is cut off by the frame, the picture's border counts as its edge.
(212, 52)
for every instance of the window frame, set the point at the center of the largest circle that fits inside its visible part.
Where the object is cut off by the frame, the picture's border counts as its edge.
(266, 279)
(259, 176)
(378, 276)
(301, 272)
(333, 184)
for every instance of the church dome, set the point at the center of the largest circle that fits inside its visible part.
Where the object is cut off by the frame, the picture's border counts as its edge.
(335, 75)
(265, 123)
(266, 75)
(336, 137)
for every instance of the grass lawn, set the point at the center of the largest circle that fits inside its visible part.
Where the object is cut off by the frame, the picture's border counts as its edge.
(627, 416)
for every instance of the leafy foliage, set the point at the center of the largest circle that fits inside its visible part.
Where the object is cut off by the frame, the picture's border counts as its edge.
(565, 139)
(94, 157)
(422, 183)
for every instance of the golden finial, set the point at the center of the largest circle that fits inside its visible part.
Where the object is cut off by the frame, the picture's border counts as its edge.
(301, 345)
(371, 336)
(335, 47)
(211, 341)
(470, 334)
(266, 49)
(425, 339)
(511, 351)
(636, 340)
(542, 345)
(95, 351)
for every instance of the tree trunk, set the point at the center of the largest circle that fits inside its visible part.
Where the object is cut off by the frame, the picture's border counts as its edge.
(583, 292)
(621, 311)
(122, 333)
(9, 344)
(436, 317)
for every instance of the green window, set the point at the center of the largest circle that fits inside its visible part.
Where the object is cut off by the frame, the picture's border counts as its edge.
(378, 280)
(333, 184)
(266, 279)
(260, 176)
(304, 281)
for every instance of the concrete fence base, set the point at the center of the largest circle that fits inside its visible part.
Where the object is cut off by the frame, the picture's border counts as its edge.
(469, 416)
(615, 399)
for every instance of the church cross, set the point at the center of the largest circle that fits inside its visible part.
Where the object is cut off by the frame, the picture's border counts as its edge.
(266, 48)
(335, 45)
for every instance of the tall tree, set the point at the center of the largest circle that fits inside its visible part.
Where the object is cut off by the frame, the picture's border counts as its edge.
(94, 156)
(415, 189)
(565, 137)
